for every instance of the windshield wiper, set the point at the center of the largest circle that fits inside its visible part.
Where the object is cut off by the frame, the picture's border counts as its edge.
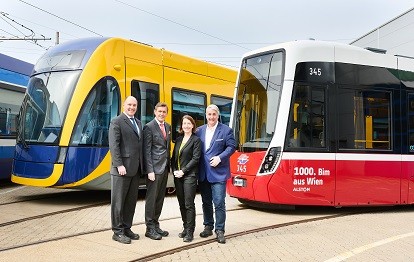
(25, 145)
(239, 113)
(20, 135)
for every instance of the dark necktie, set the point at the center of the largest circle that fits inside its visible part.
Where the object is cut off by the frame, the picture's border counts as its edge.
(134, 124)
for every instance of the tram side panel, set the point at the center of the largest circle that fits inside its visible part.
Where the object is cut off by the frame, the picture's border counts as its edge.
(144, 80)
(304, 179)
(6, 154)
(365, 181)
(407, 185)
(190, 92)
(406, 66)
(367, 121)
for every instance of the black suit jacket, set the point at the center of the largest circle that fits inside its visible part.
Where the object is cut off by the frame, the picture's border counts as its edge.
(156, 148)
(125, 145)
(189, 156)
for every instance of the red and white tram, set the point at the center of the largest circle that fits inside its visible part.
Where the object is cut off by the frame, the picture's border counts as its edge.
(327, 124)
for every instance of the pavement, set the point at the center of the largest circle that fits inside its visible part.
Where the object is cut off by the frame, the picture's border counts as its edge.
(385, 235)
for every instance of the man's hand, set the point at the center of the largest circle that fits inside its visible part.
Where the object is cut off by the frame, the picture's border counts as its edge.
(121, 170)
(151, 176)
(214, 161)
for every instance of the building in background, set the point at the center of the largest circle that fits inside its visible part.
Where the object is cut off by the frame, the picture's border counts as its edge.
(395, 37)
(14, 76)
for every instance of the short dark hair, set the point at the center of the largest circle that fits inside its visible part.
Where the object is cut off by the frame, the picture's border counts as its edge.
(161, 104)
(188, 117)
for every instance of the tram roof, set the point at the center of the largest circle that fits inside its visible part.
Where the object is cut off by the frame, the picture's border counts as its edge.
(303, 44)
(313, 50)
(15, 65)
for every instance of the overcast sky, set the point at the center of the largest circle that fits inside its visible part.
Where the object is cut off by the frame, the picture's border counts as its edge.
(220, 31)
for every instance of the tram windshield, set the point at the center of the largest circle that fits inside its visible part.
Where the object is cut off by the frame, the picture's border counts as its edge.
(258, 95)
(45, 105)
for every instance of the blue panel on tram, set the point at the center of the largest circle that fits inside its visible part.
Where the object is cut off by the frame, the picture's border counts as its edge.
(37, 154)
(32, 169)
(80, 162)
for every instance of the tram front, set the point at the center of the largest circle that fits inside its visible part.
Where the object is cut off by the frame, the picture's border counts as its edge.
(38, 159)
(62, 137)
(255, 114)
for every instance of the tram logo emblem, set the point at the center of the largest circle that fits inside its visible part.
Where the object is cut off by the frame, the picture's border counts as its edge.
(243, 159)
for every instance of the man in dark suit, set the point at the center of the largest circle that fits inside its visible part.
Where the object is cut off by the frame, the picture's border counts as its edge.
(157, 139)
(125, 145)
(218, 145)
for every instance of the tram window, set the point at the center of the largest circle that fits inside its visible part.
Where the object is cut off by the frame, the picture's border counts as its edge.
(187, 103)
(148, 95)
(364, 119)
(9, 111)
(101, 105)
(307, 118)
(411, 122)
(7, 122)
(224, 105)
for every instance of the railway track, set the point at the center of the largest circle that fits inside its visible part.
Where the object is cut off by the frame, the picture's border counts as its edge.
(41, 239)
(64, 211)
(21, 194)
(94, 217)
(48, 202)
(199, 242)
(238, 234)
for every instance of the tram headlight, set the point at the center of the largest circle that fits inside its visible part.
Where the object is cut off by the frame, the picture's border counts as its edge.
(62, 155)
(270, 161)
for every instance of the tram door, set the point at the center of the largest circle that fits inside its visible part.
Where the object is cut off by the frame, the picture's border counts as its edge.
(144, 81)
(408, 166)
(366, 172)
(313, 171)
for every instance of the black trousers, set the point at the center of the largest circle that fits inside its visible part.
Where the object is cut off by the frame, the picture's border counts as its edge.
(154, 199)
(186, 187)
(124, 196)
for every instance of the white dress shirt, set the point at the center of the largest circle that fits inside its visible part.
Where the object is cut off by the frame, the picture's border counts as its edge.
(209, 135)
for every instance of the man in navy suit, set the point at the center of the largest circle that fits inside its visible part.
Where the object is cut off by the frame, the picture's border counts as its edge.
(125, 145)
(218, 145)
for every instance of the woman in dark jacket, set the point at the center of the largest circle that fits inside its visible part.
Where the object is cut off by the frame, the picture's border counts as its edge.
(186, 154)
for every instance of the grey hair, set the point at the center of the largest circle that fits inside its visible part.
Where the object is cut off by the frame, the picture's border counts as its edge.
(214, 107)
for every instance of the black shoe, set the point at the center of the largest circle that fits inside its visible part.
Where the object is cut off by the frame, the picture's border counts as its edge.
(131, 235)
(121, 239)
(151, 233)
(220, 237)
(208, 231)
(182, 234)
(163, 233)
(189, 236)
